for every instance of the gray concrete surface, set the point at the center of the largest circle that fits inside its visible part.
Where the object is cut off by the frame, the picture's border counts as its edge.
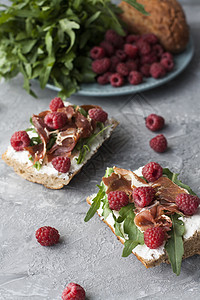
(90, 254)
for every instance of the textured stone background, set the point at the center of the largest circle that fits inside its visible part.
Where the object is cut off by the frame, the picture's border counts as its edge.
(90, 254)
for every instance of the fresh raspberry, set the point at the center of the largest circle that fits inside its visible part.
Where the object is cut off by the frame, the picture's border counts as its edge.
(73, 291)
(97, 52)
(132, 65)
(157, 70)
(104, 78)
(154, 122)
(116, 80)
(145, 70)
(143, 196)
(108, 48)
(150, 38)
(167, 55)
(20, 140)
(114, 38)
(100, 66)
(98, 115)
(131, 50)
(56, 103)
(154, 237)
(117, 199)
(152, 171)
(55, 120)
(47, 236)
(114, 62)
(187, 203)
(149, 58)
(158, 143)
(135, 77)
(144, 47)
(167, 63)
(61, 164)
(122, 69)
(132, 38)
(121, 54)
(158, 49)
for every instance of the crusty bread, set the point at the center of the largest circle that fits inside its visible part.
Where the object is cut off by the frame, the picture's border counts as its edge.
(50, 181)
(166, 20)
(191, 245)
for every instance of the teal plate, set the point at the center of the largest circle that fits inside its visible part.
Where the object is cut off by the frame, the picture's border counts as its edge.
(94, 89)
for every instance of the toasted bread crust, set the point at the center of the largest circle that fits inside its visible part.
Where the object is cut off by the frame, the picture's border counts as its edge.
(191, 247)
(166, 20)
(50, 181)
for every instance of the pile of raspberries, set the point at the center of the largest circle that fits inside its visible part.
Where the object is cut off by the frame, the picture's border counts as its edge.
(120, 59)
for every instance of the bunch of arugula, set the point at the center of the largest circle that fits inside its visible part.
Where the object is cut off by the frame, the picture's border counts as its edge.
(125, 227)
(49, 40)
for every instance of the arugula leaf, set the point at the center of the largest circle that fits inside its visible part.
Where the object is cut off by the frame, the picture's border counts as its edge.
(174, 246)
(137, 6)
(118, 230)
(96, 202)
(36, 165)
(52, 141)
(133, 232)
(129, 245)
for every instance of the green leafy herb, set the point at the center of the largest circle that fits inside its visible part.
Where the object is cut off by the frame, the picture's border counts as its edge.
(137, 6)
(174, 177)
(129, 245)
(174, 246)
(36, 165)
(96, 202)
(52, 141)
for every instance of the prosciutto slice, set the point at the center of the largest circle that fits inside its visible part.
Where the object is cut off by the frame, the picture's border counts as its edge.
(83, 124)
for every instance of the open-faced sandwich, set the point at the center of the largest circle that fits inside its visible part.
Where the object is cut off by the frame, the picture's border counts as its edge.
(58, 142)
(152, 213)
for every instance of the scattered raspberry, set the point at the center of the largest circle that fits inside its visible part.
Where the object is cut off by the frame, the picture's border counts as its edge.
(98, 115)
(157, 70)
(55, 120)
(122, 69)
(116, 80)
(154, 237)
(73, 291)
(131, 50)
(20, 140)
(167, 55)
(167, 63)
(158, 49)
(145, 70)
(150, 38)
(104, 78)
(61, 164)
(114, 38)
(158, 143)
(144, 47)
(135, 77)
(132, 65)
(152, 171)
(47, 236)
(154, 122)
(117, 199)
(56, 103)
(143, 196)
(100, 66)
(114, 62)
(108, 48)
(121, 55)
(132, 38)
(97, 53)
(187, 203)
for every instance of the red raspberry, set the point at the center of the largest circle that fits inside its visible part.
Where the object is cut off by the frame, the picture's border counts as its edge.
(131, 50)
(149, 58)
(97, 53)
(157, 70)
(121, 55)
(132, 65)
(135, 77)
(144, 47)
(47, 236)
(61, 164)
(154, 122)
(108, 48)
(98, 115)
(114, 38)
(158, 49)
(56, 103)
(116, 80)
(167, 63)
(145, 70)
(152, 171)
(55, 120)
(132, 38)
(158, 143)
(167, 55)
(114, 62)
(143, 196)
(187, 203)
(104, 78)
(100, 66)
(122, 69)
(73, 291)
(20, 140)
(117, 199)
(154, 237)
(150, 38)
